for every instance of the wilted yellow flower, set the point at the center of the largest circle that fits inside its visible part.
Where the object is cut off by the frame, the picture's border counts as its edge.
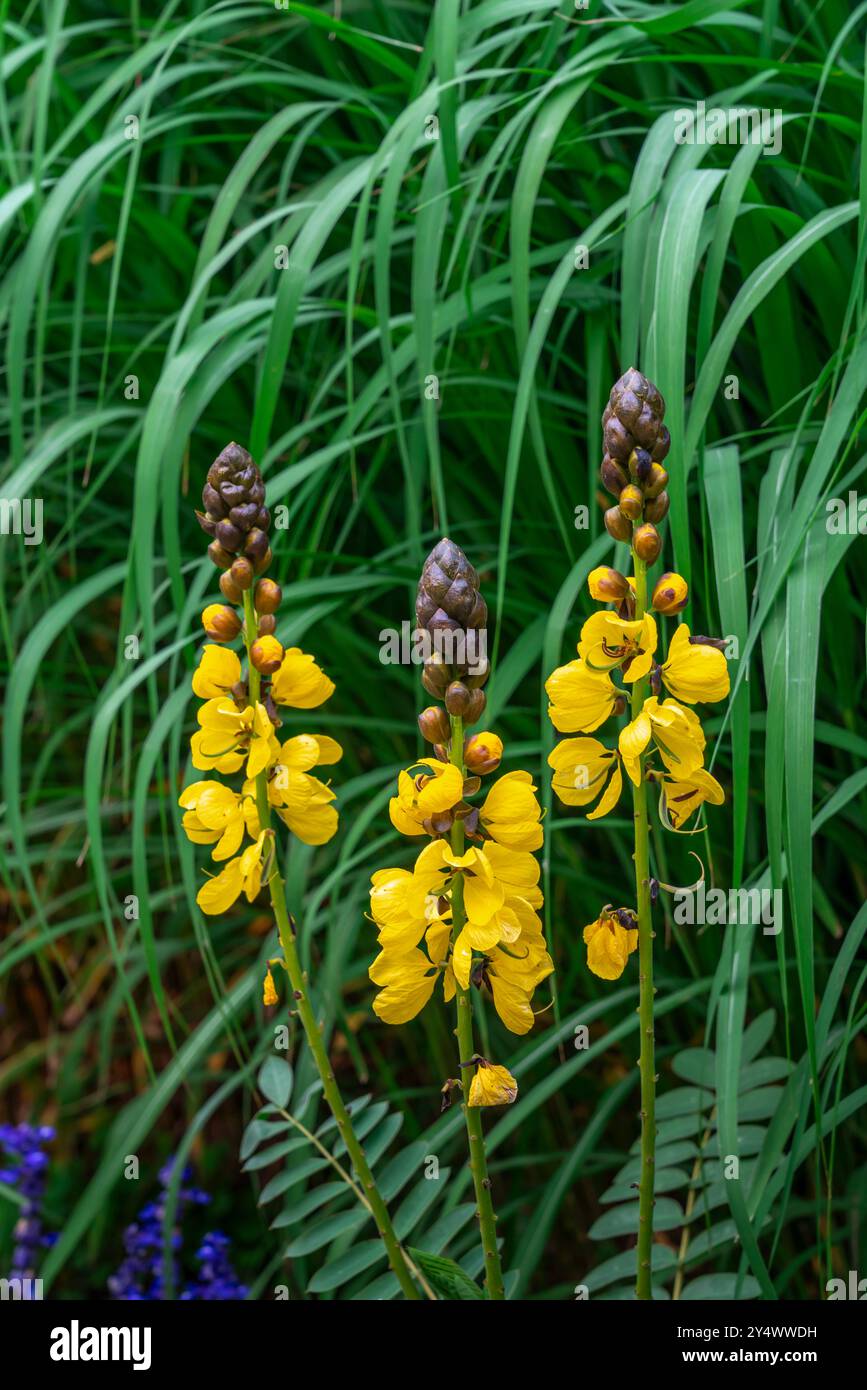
(608, 641)
(492, 1085)
(511, 813)
(424, 794)
(694, 670)
(676, 732)
(581, 699)
(241, 875)
(584, 767)
(269, 991)
(681, 796)
(230, 737)
(609, 945)
(214, 814)
(299, 681)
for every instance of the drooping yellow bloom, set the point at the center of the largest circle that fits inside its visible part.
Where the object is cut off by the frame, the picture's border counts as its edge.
(269, 991)
(581, 699)
(608, 641)
(584, 767)
(407, 980)
(424, 794)
(676, 732)
(694, 671)
(302, 802)
(214, 814)
(682, 796)
(609, 945)
(217, 672)
(513, 977)
(241, 875)
(492, 1085)
(230, 737)
(511, 813)
(299, 681)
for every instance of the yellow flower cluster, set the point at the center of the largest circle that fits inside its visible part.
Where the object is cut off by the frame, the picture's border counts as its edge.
(496, 879)
(233, 734)
(583, 696)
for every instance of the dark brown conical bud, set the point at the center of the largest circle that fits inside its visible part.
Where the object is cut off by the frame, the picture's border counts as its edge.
(242, 572)
(451, 609)
(614, 478)
(234, 501)
(457, 698)
(633, 417)
(267, 596)
(229, 589)
(478, 702)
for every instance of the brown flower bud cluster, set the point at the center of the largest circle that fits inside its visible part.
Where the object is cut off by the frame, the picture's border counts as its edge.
(237, 519)
(450, 608)
(636, 442)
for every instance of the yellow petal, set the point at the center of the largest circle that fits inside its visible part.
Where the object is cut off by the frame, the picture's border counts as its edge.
(218, 670)
(299, 681)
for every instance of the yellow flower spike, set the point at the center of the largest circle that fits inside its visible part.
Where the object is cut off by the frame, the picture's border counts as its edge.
(682, 797)
(607, 585)
(511, 813)
(584, 767)
(492, 1085)
(299, 682)
(609, 945)
(269, 991)
(694, 670)
(217, 672)
(581, 699)
(608, 641)
(214, 815)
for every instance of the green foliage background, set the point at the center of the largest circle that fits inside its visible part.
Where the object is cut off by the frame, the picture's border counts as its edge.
(412, 257)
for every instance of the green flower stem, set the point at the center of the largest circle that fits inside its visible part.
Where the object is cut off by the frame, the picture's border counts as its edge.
(315, 1041)
(646, 1060)
(466, 1049)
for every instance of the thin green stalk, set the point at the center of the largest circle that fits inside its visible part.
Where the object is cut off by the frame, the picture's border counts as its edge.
(466, 1049)
(315, 1041)
(646, 1060)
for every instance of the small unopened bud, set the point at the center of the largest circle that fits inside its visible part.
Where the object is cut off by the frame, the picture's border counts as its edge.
(647, 543)
(482, 753)
(617, 525)
(264, 561)
(435, 675)
(670, 594)
(229, 589)
(256, 544)
(613, 476)
(619, 705)
(640, 464)
(657, 479)
(434, 725)
(267, 625)
(476, 707)
(607, 585)
(268, 596)
(457, 698)
(220, 622)
(220, 557)
(242, 573)
(662, 445)
(266, 655)
(632, 501)
(657, 507)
